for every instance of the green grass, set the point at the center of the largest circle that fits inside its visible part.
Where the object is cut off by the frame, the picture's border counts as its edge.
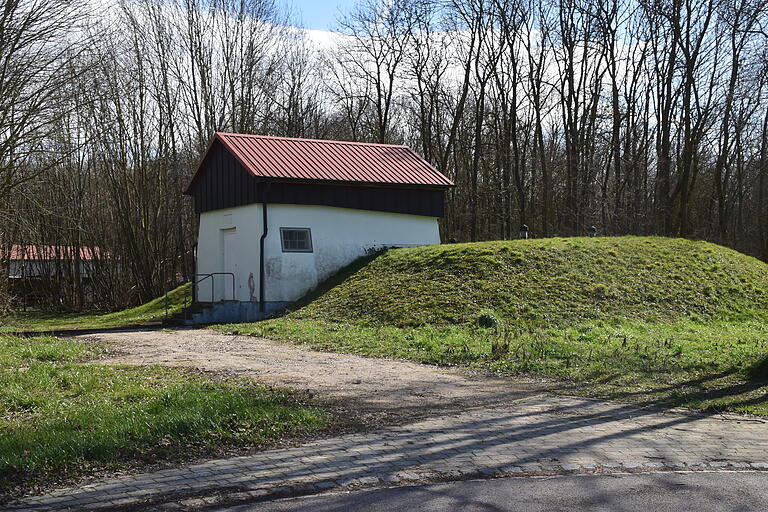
(639, 318)
(62, 417)
(554, 281)
(149, 313)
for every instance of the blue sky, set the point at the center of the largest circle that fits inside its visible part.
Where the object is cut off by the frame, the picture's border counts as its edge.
(319, 14)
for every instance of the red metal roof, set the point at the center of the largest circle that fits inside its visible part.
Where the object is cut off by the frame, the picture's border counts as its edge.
(330, 160)
(50, 252)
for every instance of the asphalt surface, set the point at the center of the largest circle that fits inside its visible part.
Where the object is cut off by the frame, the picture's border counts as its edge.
(648, 492)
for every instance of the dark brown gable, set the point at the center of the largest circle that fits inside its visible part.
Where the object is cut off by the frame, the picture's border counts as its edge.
(222, 182)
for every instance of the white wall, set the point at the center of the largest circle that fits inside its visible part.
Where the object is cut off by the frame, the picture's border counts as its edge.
(246, 223)
(339, 236)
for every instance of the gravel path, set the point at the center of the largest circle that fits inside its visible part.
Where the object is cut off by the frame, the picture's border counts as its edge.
(392, 391)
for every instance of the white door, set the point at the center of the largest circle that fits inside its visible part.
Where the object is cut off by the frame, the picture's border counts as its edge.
(225, 283)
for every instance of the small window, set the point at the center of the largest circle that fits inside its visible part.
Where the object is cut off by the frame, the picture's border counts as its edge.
(296, 239)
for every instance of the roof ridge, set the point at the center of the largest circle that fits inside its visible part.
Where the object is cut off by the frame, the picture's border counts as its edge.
(320, 141)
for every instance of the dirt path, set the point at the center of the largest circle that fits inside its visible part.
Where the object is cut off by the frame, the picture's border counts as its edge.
(386, 388)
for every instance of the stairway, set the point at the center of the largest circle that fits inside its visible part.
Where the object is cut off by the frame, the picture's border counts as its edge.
(187, 315)
(228, 311)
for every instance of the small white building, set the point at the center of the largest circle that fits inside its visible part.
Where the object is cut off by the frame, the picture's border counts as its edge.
(278, 215)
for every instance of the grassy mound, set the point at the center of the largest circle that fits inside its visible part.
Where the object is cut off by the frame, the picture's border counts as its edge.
(637, 318)
(549, 282)
(149, 313)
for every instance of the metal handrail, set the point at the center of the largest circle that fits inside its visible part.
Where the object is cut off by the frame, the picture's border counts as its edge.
(193, 291)
(213, 281)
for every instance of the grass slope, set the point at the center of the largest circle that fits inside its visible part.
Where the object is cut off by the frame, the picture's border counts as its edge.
(641, 318)
(547, 282)
(151, 312)
(60, 417)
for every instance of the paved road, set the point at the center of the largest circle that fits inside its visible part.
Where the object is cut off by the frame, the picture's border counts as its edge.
(535, 435)
(656, 492)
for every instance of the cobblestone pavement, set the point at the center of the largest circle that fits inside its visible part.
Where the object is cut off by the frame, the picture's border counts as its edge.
(534, 435)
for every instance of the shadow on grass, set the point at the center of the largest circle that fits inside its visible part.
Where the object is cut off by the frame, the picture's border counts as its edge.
(521, 436)
(690, 392)
(758, 372)
(336, 279)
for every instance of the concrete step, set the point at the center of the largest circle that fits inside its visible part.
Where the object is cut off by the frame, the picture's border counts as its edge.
(234, 311)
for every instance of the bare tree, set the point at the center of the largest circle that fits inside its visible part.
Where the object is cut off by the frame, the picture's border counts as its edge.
(376, 36)
(37, 48)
